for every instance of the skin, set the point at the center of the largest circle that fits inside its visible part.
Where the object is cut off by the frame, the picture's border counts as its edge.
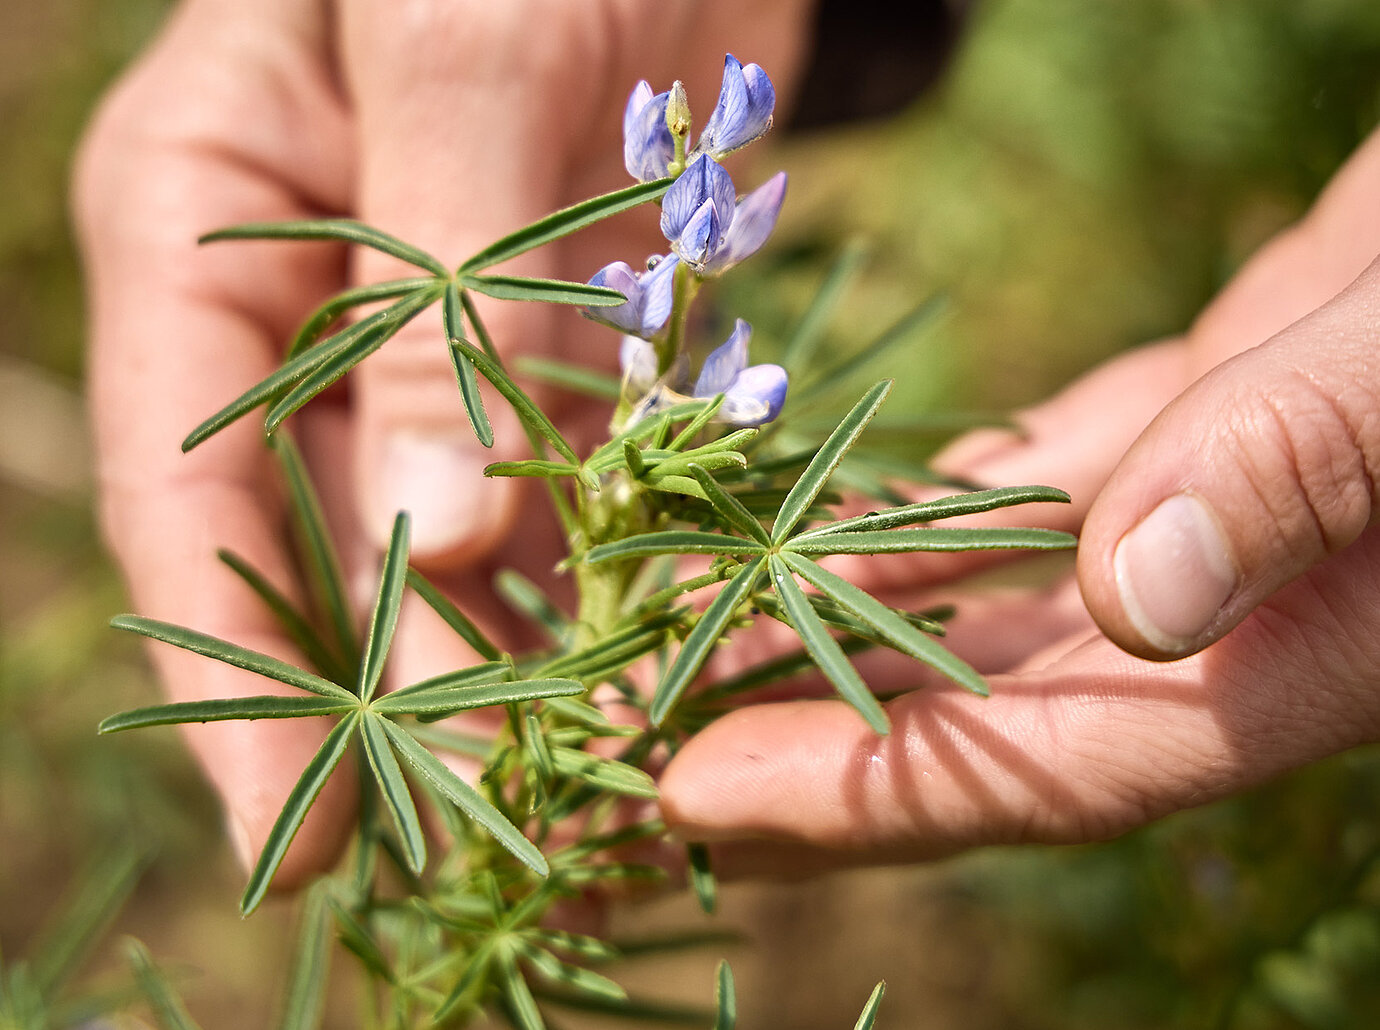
(1264, 413)
(448, 124)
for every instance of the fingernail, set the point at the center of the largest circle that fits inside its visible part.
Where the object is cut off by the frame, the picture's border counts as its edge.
(1174, 571)
(437, 480)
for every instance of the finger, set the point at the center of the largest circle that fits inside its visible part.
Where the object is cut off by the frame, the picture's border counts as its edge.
(177, 331)
(1260, 470)
(1084, 749)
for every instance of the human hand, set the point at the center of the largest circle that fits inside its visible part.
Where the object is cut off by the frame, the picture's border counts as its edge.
(1234, 531)
(446, 124)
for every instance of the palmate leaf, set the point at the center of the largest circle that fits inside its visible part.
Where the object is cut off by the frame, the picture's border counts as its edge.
(231, 654)
(385, 618)
(817, 474)
(343, 230)
(466, 798)
(869, 1013)
(563, 222)
(701, 639)
(546, 291)
(893, 629)
(824, 649)
(264, 706)
(299, 801)
(452, 315)
(904, 541)
(396, 797)
(972, 503)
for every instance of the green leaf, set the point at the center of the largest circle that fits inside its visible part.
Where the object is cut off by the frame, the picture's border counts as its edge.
(167, 1007)
(396, 797)
(604, 773)
(869, 1012)
(324, 574)
(591, 949)
(344, 230)
(564, 222)
(904, 541)
(361, 943)
(443, 700)
(891, 627)
(942, 508)
(824, 649)
(725, 999)
(231, 654)
(522, 405)
(546, 291)
(304, 1002)
(533, 468)
(800, 348)
(526, 597)
(486, 672)
(466, 798)
(452, 314)
(617, 650)
(702, 879)
(672, 541)
(575, 378)
(299, 801)
(294, 623)
(296, 368)
(325, 316)
(522, 1006)
(221, 709)
(692, 428)
(474, 973)
(386, 608)
(730, 507)
(378, 330)
(702, 638)
(536, 746)
(453, 616)
(825, 378)
(814, 478)
(584, 981)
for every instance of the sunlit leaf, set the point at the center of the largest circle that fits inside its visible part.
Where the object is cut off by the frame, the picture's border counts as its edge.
(533, 468)
(702, 639)
(869, 1012)
(452, 315)
(730, 507)
(604, 773)
(565, 221)
(451, 615)
(231, 654)
(396, 797)
(942, 508)
(814, 478)
(546, 291)
(466, 798)
(522, 405)
(447, 700)
(343, 230)
(326, 315)
(725, 999)
(295, 809)
(265, 706)
(672, 541)
(903, 541)
(824, 649)
(385, 618)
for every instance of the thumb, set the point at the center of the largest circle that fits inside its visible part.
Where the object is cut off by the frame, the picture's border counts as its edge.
(1256, 473)
(454, 152)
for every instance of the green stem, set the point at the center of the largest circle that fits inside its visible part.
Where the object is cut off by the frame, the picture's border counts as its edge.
(684, 288)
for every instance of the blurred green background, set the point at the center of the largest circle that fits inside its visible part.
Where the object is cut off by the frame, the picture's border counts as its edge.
(1082, 177)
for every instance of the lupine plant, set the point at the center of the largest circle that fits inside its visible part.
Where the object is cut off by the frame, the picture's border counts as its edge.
(698, 490)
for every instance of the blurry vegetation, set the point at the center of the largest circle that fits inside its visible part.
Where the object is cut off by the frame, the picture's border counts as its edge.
(1083, 177)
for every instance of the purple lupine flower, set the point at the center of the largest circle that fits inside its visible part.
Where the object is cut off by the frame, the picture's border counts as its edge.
(753, 394)
(743, 113)
(649, 293)
(647, 143)
(706, 227)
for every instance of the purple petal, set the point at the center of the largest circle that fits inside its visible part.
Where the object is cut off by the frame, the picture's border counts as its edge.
(756, 396)
(618, 276)
(658, 294)
(724, 363)
(637, 359)
(647, 143)
(703, 179)
(639, 98)
(752, 224)
(743, 113)
(700, 237)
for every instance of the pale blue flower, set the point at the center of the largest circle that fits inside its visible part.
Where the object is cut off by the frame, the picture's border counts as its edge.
(649, 293)
(743, 113)
(705, 226)
(753, 394)
(647, 143)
